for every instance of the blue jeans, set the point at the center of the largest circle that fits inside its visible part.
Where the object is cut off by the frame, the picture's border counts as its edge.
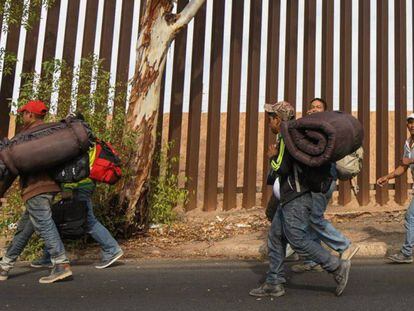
(292, 224)
(322, 229)
(37, 217)
(407, 248)
(99, 233)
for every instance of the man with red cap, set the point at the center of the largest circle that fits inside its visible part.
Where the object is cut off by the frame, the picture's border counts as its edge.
(38, 190)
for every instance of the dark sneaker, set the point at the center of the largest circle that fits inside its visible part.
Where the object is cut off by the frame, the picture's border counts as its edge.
(306, 267)
(107, 263)
(400, 258)
(349, 252)
(4, 274)
(267, 289)
(41, 263)
(341, 276)
(59, 272)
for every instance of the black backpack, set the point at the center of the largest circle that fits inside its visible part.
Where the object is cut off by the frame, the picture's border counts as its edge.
(70, 218)
(317, 179)
(72, 171)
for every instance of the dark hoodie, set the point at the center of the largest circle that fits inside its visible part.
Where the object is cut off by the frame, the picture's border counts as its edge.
(289, 173)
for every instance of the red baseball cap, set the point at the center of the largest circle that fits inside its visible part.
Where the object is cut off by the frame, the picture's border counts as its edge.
(35, 106)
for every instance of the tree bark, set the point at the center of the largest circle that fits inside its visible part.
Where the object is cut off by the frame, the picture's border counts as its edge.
(158, 29)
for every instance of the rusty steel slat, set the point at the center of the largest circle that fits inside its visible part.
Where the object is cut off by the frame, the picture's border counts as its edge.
(8, 81)
(155, 170)
(194, 115)
(401, 190)
(107, 34)
(252, 107)
(51, 31)
(177, 93)
(309, 49)
(345, 96)
(381, 193)
(291, 51)
(69, 44)
(233, 107)
(364, 111)
(327, 52)
(124, 51)
(71, 30)
(31, 46)
(273, 41)
(90, 27)
(214, 102)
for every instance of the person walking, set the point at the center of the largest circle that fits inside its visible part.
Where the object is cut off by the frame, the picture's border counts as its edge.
(83, 191)
(322, 229)
(38, 190)
(405, 255)
(292, 220)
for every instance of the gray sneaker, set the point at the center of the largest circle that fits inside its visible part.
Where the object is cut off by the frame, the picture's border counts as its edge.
(59, 272)
(400, 258)
(305, 267)
(41, 263)
(110, 261)
(267, 289)
(4, 274)
(341, 276)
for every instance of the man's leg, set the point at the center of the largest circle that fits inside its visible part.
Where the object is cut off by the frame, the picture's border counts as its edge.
(111, 251)
(323, 228)
(40, 213)
(406, 253)
(296, 223)
(21, 238)
(275, 278)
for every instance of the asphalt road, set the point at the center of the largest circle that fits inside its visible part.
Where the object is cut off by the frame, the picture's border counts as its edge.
(206, 286)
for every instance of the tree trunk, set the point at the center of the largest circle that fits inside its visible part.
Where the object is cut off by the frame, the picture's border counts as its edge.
(159, 27)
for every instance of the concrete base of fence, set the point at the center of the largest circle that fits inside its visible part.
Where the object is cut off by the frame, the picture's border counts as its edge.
(254, 247)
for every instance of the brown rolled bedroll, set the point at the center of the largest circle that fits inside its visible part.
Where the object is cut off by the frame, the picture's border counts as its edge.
(46, 146)
(322, 138)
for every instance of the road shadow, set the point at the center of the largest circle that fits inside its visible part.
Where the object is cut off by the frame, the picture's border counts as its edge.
(24, 271)
(393, 240)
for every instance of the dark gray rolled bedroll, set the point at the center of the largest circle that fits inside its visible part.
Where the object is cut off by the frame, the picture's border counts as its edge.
(321, 138)
(46, 146)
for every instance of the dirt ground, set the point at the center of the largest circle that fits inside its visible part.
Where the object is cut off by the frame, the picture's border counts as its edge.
(241, 234)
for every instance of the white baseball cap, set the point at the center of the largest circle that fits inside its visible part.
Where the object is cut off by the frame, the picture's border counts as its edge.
(411, 116)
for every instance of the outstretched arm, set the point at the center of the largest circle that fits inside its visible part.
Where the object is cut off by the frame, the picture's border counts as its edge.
(401, 169)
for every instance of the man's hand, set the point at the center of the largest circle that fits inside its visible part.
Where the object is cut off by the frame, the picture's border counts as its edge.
(273, 151)
(407, 161)
(382, 181)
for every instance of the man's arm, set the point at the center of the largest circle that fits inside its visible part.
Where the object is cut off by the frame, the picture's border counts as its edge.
(401, 169)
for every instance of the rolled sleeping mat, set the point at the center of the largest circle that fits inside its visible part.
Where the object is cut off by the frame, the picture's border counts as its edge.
(46, 146)
(322, 138)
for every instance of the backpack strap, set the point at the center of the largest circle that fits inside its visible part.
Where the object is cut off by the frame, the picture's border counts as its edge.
(295, 172)
(354, 187)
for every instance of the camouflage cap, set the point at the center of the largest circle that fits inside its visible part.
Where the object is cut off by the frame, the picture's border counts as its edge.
(283, 110)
